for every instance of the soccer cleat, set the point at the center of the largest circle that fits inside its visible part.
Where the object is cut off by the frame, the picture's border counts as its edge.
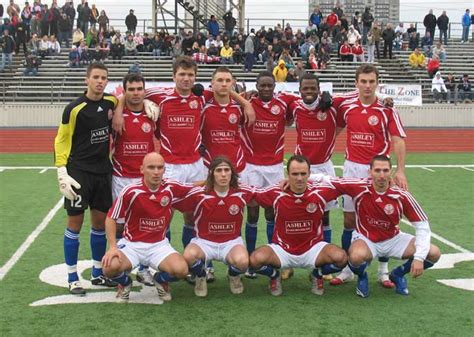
(362, 288)
(210, 275)
(164, 291)
(75, 288)
(346, 275)
(103, 281)
(144, 276)
(250, 274)
(123, 292)
(275, 286)
(200, 288)
(384, 280)
(191, 279)
(236, 285)
(401, 286)
(327, 277)
(317, 285)
(287, 273)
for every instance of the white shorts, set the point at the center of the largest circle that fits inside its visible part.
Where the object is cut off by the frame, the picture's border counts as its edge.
(394, 247)
(217, 251)
(148, 254)
(262, 176)
(186, 173)
(327, 169)
(118, 183)
(352, 170)
(305, 260)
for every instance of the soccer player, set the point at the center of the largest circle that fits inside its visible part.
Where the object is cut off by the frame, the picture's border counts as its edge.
(146, 208)
(131, 146)
(81, 149)
(379, 208)
(264, 150)
(218, 209)
(371, 129)
(298, 236)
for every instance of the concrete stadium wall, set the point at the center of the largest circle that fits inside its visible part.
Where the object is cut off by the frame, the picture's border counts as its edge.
(432, 115)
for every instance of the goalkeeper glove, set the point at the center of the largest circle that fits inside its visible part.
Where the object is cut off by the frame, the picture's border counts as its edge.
(152, 110)
(66, 183)
(326, 101)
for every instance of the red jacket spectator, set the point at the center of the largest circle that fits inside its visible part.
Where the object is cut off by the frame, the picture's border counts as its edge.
(357, 50)
(433, 66)
(345, 50)
(332, 19)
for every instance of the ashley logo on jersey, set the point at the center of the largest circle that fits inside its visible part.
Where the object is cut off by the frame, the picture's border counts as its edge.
(313, 136)
(152, 225)
(222, 136)
(99, 135)
(181, 122)
(221, 228)
(265, 127)
(362, 139)
(298, 227)
(135, 148)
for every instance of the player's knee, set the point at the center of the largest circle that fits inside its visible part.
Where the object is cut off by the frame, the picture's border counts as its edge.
(241, 262)
(357, 256)
(113, 269)
(180, 270)
(257, 259)
(434, 254)
(339, 257)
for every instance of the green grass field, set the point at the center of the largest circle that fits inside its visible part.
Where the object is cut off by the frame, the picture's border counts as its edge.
(432, 309)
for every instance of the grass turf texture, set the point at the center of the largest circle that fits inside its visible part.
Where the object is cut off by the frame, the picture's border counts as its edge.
(432, 309)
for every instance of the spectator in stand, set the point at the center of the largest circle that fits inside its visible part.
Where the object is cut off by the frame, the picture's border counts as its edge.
(358, 52)
(85, 14)
(353, 36)
(91, 38)
(439, 51)
(260, 49)
(77, 37)
(249, 52)
(316, 17)
(414, 41)
(286, 57)
(131, 22)
(196, 48)
(417, 59)
(345, 52)
(452, 89)
(218, 42)
(202, 57)
(280, 72)
(26, 18)
(64, 27)
(69, 10)
(426, 44)
(398, 42)
(226, 54)
(465, 90)
(238, 54)
(466, 23)
(43, 48)
(411, 29)
(443, 23)
(74, 57)
(139, 41)
(430, 23)
(79, 14)
(33, 44)
(312, 60)
(229, 23)
(367, 20)
(103, 21)
(135, 68)
(323, 58)
(117, 47)
(157, 46)
(338, 9)
(130, 46)
(12, 8)
(299, 70)
(31, 63)
(323, 28)
(332, 19)
(46, 17)
(213, 50)
(1, 12)
(86, 57)
(7, 45)
(388, 36)
(291, 77)
(357, 22)
(401, 29)
(20, 32)
(438, 87)
(376, 36)
(213, 26)
(370, 47)
(176, 51)
(433, 66)
(102, 50)
(54, 47)
(210, 41)
(94, 16)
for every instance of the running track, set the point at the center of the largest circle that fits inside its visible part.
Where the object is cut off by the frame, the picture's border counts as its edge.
(419, 140)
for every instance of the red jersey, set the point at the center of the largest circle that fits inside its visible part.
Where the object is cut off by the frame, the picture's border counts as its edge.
(217, 218)
(178, 124)
(369, 128)
(378, 214)
(357, 50)
(264, 141)
(221, 133)
(298, 217)
(129, 148)
(345, 50)
(315, 130)
(147, 213)
(332, 19)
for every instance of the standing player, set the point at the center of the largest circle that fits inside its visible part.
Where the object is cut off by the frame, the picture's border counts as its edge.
(371, 128)
(218, 208)
(131, 146)
(81, 150)
(146, 208)
(264, 145)
(379, 209)
(298, 236)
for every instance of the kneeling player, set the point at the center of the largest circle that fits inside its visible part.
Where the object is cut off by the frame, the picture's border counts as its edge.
(379, 208)
(146, 208)
(298, 236)
(218, 211)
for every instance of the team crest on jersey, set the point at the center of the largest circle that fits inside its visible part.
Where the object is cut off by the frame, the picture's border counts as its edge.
(389, 209)
(193, 104)
(146, 127)
(311, 207)
(275, 110)
(234, 209)
(322, 116)
(110, 113)
(373, 120)
(233, 118)
(165, 201)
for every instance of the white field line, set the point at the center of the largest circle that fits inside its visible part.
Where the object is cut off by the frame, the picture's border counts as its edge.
(43, 170)
(29, 240)
(443, 240)
(467, 169)
(424, 168)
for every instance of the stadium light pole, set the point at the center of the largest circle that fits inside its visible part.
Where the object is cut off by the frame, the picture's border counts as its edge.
(153, 15)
